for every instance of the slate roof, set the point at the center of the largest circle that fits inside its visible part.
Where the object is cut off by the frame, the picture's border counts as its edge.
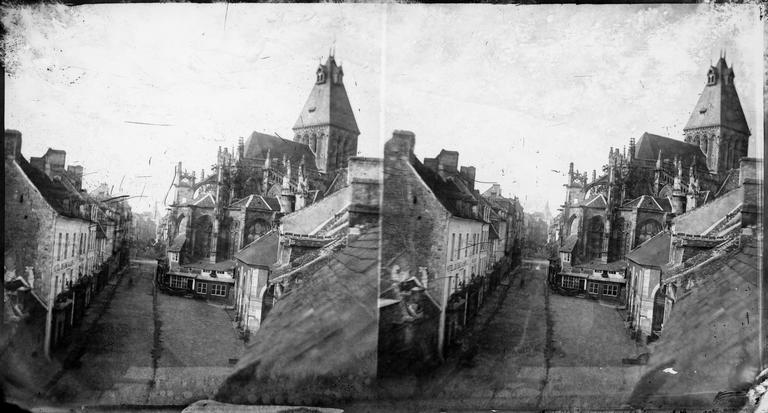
(648, 147)
(649, 202)
(328, 103)
(257, 202)
(569, 243)
(178, 243)
(447, 191)
(597, 201)
(319, 343)
(711, 337)
(257, 144)
(55, 193)
(719, 104)
(204, 264)
(262, 252)
(653, 252)
(205, 201)
(698, 220)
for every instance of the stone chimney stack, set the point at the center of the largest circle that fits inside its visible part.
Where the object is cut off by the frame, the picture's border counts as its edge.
(365, 179)
(400, 146)
(12, 143)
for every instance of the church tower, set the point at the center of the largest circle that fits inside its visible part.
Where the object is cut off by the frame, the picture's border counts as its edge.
(717, 124)
(327, 123)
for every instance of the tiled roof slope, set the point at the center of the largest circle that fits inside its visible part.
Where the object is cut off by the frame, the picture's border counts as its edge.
(649, 145)
(55, 193)
(719, 104)
(710, 339)
(702, 218)
(328, 103)
(319, 342)
(305, 220)
(654, 252)
(446, 191)
(569, 243)
(257, 144)
(261, 252)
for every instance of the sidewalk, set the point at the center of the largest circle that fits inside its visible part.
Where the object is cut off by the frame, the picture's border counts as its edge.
(69, 355)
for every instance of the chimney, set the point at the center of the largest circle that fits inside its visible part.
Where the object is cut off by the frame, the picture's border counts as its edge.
(364, 177)
(448, 161)
(750, 177)
(631, 148)
(12, 143)
(76, 176)
(401, 145)
(469, 173)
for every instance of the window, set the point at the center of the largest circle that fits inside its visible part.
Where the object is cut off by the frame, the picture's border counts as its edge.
(594, 288)
(177, 282)
(201, 288)
(453, 245)
(570, 282)
(458, 251)
(466, 245)
(610, 290)
(218, 289)
(58, 253)
(74, 237)
(66, 244)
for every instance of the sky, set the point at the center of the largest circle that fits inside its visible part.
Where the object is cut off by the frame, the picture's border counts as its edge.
(129, 90)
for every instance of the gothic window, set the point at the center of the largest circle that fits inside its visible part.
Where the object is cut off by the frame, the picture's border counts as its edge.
(255, 229)
(704, 144)
(696, 140)
(320, 75)
(313, 143)
(646, 230)
(573, 225)
(711, 77)
(595, 238)
(203, 227)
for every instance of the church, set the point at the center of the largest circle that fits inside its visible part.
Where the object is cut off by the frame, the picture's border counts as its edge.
(644, 186)
(249, 188)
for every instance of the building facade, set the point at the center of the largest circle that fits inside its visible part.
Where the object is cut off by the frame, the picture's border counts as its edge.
(64, 242)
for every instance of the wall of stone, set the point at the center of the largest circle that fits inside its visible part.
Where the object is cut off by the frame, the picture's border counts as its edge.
(413, 221)
(29, 228)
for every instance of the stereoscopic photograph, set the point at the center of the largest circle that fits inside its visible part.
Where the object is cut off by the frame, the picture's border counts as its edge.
(383, 207)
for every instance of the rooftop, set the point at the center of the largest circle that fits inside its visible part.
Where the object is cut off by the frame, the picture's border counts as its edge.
(320, 338)
(653, 252)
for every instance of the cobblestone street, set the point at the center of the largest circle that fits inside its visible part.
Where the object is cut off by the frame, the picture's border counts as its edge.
(146, 349)
(516, 370)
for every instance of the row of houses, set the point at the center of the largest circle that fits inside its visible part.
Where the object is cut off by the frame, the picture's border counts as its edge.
(444, 247)
(62, 245)
(379, 278)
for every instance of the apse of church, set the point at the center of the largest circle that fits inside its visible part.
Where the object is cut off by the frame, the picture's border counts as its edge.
(642, 187)
(265, 177)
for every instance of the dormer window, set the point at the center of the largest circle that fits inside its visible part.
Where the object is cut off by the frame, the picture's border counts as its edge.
(320, 75)
(711, 77)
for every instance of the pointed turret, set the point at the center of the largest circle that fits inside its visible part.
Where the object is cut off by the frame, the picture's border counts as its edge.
(327, 122)
(717, 123)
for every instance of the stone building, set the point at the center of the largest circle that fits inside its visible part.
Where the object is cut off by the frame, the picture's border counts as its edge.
(436, 235)
(280, 260)
(63, 242)
(655, 179)
(266, 177)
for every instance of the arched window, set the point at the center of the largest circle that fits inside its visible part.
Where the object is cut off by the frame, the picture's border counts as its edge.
(646, 230)
(573, 225)
(704, 144)
(320, 75)
(711, 77)
(313, 143)
(595, 238)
